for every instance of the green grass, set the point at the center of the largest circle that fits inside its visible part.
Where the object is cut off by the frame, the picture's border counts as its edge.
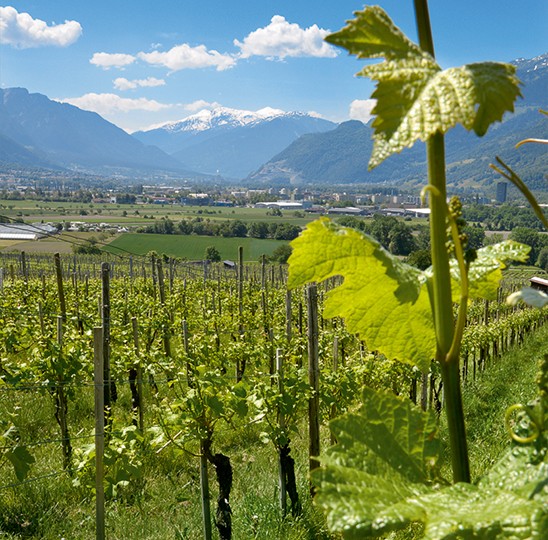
(192, 247)
(507, 380)
(32, 211)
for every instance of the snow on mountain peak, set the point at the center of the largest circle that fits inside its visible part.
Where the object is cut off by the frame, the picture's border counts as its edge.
(220, 117)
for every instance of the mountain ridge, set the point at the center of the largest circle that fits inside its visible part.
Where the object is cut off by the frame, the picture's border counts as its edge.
(64, 136)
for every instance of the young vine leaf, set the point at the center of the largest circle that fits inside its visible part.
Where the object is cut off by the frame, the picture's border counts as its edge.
(415, 97)
(485, 272)
(381, 298)
(383, 475)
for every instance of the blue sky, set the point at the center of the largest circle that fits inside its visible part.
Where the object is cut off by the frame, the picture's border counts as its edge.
(140, 63)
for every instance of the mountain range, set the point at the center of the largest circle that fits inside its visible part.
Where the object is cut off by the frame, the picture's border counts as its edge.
(269, 146)
(229, 142)
(342, 155)
(38, 132)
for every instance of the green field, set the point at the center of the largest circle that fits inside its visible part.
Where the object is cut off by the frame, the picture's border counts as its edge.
(138, 214)
(192, 247)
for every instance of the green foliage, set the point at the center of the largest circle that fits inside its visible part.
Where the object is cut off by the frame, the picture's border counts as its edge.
(384, 300)
(381, 297)
(212, 254)
(122, 462)
(281, 254)
(415, 98)
(19, 456)
(383, 475)
(420, 259)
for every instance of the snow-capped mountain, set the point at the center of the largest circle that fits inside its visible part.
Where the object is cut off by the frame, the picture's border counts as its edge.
(231, 142)
(220, 117)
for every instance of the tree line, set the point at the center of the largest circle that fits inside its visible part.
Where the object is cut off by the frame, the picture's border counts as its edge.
(228, 228)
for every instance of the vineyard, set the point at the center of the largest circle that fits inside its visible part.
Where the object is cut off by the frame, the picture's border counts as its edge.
(195, 374)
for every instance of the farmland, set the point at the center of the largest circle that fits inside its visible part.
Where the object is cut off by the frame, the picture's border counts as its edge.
(186, 334)
(192, 247)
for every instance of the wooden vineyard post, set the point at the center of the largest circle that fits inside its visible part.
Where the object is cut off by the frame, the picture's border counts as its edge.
(60, 290)
(335, 369)
(281, 422)
(288, 316)
(1, 279)
(61, 403)
(99, 433)
(313, 378)
(189, 373)
(240, 363)
(162, 290)
(139, 372)
(204, 491)
(109, 391)
(24, 268)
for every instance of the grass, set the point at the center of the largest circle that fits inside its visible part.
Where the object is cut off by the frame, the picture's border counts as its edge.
(166, 506)
(488, 397)
(192, 247)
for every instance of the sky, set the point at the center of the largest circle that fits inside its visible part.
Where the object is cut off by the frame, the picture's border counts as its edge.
(141, 63)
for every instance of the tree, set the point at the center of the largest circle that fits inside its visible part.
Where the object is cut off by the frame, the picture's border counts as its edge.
(542, 261)
(281, 254)
(401, 240)
(212, 254)
(420, 259)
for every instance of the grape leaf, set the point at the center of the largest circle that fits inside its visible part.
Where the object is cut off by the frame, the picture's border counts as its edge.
(415, 98)
(485, 272)
(368, 483)
(381, 298)
(21, 459)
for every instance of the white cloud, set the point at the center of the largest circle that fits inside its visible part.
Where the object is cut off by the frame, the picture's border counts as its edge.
(281, 38)
(360, 109)
(314, 114)
(109, 60)
(186, 57)
(105, 104)
(23, 32)
(124, 84)
(201, 104)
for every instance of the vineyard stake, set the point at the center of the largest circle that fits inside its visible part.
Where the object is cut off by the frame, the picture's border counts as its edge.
(61, 404)
(281, 422)
(105, 315)
(99, 432)
(60, 290)
(139, 373)
(313, 379)
(288, 316)
(204, 491)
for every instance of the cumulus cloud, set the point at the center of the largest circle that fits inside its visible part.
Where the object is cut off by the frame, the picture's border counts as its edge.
(105, 104)
(111, 60)
(281, 38)
(360, 109)
(201, 104)
(124, 84)
(20, 30)
(186, 57)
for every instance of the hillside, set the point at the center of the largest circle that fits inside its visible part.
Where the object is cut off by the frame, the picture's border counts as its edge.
(341, 155)
(36, 131)
(229, 142)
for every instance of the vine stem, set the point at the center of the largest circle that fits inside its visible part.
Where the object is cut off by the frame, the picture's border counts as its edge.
(447, 354)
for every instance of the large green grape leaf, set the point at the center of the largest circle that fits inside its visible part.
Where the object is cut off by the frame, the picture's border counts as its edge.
(21, 459)
(485, 272)
(415, 98)
(367, 487)
(381, 298)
